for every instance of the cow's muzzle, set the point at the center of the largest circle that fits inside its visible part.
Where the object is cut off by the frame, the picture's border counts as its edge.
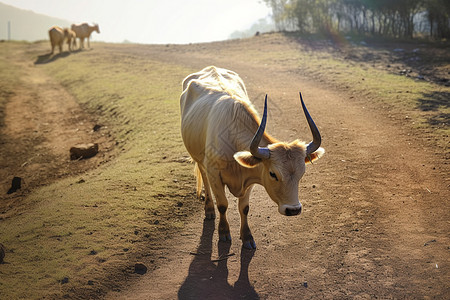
(291, 210)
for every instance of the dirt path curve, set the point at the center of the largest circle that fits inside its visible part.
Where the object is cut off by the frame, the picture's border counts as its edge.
(375, 220)
(42, 121)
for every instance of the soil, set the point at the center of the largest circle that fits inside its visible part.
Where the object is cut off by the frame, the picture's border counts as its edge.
(376, 206)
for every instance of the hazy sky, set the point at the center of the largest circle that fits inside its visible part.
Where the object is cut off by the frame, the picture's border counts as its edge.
(154, 21)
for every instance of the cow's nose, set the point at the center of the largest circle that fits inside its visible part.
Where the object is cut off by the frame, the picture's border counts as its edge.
(293, 211)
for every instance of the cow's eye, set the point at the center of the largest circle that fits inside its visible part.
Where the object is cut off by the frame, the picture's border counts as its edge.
(273, 175)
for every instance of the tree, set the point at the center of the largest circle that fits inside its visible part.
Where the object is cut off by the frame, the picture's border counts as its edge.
(438, 14)
(394, 18)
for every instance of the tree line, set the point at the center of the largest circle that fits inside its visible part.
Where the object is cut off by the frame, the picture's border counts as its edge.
(390, 18)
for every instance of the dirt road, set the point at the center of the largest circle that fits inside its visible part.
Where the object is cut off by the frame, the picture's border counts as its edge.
(375, 219)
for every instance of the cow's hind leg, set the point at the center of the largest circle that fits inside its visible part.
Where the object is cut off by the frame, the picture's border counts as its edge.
(222, 205)
(246, 235)
(209, 202)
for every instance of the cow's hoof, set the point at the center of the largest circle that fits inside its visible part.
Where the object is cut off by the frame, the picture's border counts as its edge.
(249, 244)
(225, 238)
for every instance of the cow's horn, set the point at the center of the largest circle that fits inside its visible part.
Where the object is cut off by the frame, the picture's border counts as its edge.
(315, 144)
(260, 152)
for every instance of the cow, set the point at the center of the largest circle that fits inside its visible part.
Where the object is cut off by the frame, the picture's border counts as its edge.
(227, 141)
(56, 35)
(70, 35)
(83, 31)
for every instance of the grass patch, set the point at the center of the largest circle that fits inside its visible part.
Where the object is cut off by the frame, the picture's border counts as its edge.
(9, 76)
(78, 232)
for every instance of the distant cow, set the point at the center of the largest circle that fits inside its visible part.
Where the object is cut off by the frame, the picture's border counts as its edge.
(56, 35)
(70, 35)
(226, 139)
(83, 31)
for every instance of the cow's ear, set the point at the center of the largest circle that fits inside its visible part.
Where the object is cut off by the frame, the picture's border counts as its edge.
(246, 159)
(315, 155)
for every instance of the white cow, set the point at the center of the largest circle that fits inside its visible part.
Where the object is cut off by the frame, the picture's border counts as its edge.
(83, 31)
(218, 126)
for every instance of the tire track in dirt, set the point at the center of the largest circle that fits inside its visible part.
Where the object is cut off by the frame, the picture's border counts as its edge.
(375, 222)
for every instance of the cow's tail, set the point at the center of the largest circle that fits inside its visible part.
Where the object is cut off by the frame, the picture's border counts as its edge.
(198, 175)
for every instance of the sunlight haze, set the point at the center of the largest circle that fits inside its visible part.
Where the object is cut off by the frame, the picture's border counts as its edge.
(169, 21)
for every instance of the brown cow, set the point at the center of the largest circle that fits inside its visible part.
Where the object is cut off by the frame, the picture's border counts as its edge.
(83, 31)
(56, 35)
(70, 35)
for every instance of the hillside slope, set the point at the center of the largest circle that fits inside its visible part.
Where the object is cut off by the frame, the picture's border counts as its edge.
(26, 25)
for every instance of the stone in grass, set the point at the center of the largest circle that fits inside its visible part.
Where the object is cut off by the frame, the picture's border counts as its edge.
(64, 280)
(16, 184)
(140, 268)
(83, 151)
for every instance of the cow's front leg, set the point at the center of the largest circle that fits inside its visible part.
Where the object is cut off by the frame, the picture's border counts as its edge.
(246, 235)
(222, 206)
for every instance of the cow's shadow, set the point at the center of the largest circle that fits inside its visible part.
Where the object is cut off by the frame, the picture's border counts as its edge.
(209, 280)
(48, 58)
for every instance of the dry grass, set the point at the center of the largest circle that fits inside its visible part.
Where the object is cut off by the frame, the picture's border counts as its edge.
(88, 227)
(8, 76)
